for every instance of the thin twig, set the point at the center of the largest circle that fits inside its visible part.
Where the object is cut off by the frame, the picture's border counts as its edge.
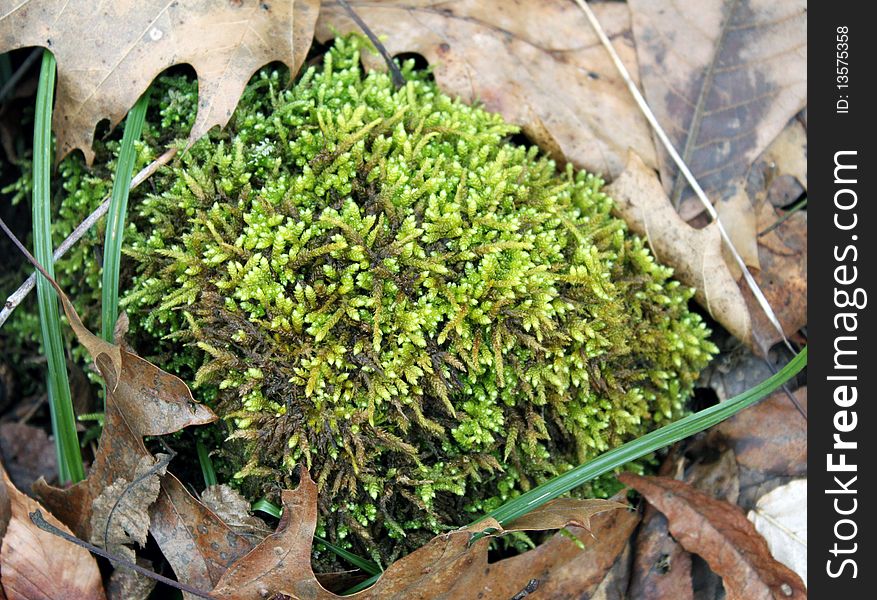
(683, 168)
(21, 293)
(39, 520)
(395, 73)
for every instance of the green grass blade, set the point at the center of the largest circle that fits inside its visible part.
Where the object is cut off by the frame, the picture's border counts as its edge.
(357, 561)
(116, 217)
(206, 464)
(63, 419)
(660, 438)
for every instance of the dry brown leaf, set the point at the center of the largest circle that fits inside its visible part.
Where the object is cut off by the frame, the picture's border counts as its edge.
(662, 569)
(617, 580)
(107, 60)
(37, 565)
(125, 584)
(449, 566)
(770, 437)
(198, 545)
(787, 154)
(120, 516)
(282, 562)
(560, 512)
(143, 400)
(720, 533)
(28, 454)
(723, 77)
(783, 276)
(234, 510)
(559, 567)
(715, 474)
(695, 254)
(539, 64)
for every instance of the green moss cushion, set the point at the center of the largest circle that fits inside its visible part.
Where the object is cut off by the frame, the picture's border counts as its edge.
(378, 285)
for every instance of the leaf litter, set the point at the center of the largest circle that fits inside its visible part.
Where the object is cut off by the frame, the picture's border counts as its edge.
(720, 533)
(37, 565)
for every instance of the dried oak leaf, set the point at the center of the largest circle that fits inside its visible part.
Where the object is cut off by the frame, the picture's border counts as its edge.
(198, 545)
(720, 533)
(37, 565)
(107, 57)
(539, 64)
(141, 400)
(695, 254)
(449, 566)
(723, 77)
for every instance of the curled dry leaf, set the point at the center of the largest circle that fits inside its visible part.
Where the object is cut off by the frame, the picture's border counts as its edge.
(105, 64)
(560, 512)
(141, 400)
(695, 254)
(538, 64)
(449, 566)
(36, 565)
(281, 564)
(198, 545)
(560, 568)
(723, 78)
(781, 517)
(720, 533)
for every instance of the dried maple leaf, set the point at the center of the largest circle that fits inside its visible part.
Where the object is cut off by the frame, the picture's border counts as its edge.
(449, 566)
(539, 64)
(720, 533)
(37, 565)
(107, 57)
(723, 77)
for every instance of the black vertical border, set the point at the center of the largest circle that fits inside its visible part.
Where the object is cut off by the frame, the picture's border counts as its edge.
(829, 132)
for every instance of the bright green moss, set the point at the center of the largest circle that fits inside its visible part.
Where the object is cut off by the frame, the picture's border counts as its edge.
(382, 288)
